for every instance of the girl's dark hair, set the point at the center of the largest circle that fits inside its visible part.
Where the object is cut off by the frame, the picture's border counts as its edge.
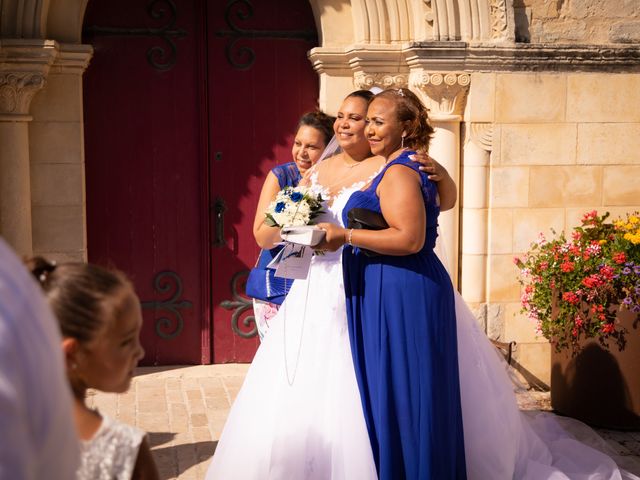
(320, 121)
(410, 109)
(364, 94)
(82, 296)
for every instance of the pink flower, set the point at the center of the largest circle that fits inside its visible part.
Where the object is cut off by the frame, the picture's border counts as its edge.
(576, 235)
(578, 321)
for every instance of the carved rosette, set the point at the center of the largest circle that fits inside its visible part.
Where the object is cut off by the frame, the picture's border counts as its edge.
(442, 93)
(17, 89)
(365, 81)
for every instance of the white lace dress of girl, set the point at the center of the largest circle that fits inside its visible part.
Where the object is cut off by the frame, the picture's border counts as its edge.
(112, 452)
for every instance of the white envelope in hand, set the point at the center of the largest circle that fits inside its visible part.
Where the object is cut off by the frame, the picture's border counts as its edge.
(304, 235)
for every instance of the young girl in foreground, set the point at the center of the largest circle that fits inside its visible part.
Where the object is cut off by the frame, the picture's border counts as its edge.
(100, 319)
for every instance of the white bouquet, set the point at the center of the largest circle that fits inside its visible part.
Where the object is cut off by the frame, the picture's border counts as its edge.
(294, 206)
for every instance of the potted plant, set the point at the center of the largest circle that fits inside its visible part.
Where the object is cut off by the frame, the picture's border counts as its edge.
(584, 295)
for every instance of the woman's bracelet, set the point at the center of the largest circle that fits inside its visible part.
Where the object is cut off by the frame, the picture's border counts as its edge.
(350, 235)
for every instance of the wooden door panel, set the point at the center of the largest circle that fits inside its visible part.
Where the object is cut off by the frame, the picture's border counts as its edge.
(260, 81)
(144, 154)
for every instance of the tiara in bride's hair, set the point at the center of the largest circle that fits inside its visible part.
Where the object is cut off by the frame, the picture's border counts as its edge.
(400, 92)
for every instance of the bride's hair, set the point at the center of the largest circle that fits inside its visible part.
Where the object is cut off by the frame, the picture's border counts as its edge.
(366, 95)
(410, 109)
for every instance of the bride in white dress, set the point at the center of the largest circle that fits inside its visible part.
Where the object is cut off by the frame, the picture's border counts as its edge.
(298, 414)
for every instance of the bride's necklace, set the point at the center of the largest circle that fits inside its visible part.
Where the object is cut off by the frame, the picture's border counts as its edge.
(351, 165)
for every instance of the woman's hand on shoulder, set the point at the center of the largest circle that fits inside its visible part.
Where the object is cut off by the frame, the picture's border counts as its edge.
(447, 190)
(334, 238)
(435, 171)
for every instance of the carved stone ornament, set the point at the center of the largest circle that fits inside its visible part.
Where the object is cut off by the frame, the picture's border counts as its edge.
(365, 81)
(443, 93)
(482, 135)
(499, 19)
(17, 90)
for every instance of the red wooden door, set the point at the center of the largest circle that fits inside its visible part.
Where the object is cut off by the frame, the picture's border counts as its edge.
(260, 81)
(169, 130)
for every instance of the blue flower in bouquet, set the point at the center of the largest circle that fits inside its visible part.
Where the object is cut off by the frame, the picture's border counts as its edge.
(294, 207)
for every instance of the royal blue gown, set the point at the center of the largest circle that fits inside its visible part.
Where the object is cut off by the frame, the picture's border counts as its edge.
(402, 327)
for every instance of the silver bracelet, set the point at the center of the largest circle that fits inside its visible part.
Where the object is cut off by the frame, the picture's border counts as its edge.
(350, 235)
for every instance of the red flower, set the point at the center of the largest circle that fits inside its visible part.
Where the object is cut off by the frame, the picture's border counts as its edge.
(567, 266)
(592, 281)
(576, 235)
(570, 297)
(619, 257)
(589, 216)
(608, 328)
(607, 272)
(578, 321)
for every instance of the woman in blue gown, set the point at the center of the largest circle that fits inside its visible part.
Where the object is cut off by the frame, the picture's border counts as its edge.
(400, 306)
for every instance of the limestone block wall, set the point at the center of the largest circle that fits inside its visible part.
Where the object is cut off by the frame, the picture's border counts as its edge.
(577, 21)
(562, 144)
(57, 168)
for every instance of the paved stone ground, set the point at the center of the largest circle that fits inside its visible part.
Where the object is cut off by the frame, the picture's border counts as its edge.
(183, 409)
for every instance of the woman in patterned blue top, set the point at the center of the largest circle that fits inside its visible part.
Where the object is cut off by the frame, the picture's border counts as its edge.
(314, 132)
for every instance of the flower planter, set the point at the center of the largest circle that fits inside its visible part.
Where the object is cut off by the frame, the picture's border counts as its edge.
(600, 386)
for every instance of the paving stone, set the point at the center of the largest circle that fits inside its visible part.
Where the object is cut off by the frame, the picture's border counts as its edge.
(184, 410)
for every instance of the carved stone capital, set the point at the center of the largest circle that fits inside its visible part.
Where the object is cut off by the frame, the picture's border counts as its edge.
(443, 93)
(363, 80)
(17, 89)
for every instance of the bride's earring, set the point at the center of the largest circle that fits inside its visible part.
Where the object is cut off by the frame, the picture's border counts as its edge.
(402, 142)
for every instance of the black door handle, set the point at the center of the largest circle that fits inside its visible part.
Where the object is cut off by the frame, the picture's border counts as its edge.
(219, 207)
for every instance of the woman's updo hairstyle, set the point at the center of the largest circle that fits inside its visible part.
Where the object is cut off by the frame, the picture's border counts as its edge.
(410, 109)
(82, 296)
(366, 95)
(320, 121)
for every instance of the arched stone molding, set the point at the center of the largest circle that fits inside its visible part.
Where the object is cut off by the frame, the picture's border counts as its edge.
(64, 20)
(23, 18)
(401, 21)
(59, 20)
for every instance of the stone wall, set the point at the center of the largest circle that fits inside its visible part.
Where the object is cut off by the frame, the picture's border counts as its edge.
(577, 21)
(563, 144)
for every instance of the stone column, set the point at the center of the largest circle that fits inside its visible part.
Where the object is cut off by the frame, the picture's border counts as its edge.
(17, 88)
(445, 95)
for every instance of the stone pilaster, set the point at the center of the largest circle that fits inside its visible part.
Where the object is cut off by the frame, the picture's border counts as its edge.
(445, 95)
(475, 212)
(22, 74)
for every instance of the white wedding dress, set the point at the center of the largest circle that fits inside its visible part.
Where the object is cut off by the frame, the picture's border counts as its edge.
(298, 414)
